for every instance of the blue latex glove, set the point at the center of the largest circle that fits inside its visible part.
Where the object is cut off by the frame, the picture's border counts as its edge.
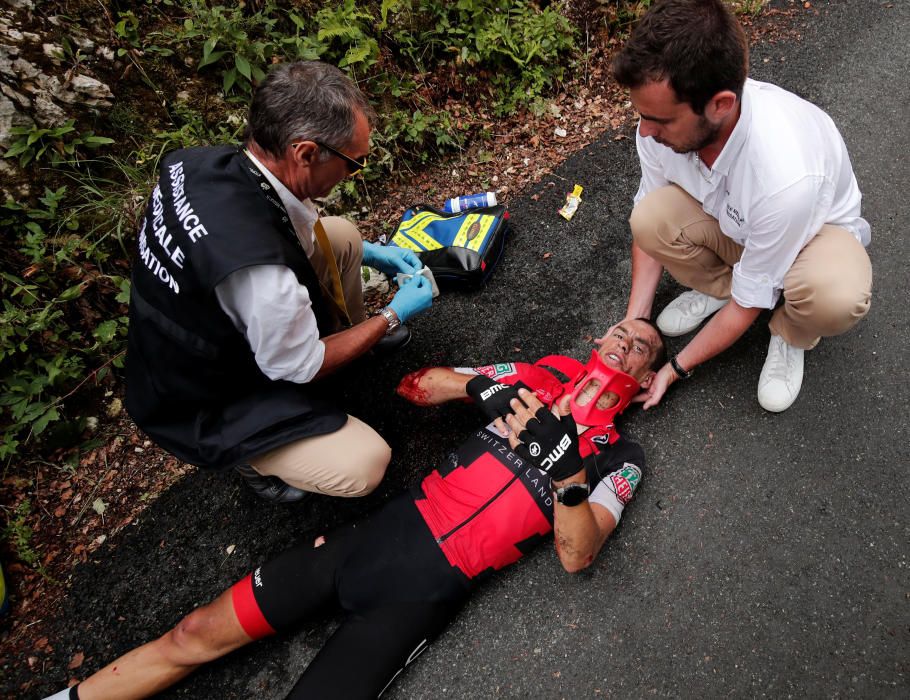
(390, 259)
(413, 296)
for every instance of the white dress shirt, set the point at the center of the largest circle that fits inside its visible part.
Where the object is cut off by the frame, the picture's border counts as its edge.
(271, 308)
(783, 174)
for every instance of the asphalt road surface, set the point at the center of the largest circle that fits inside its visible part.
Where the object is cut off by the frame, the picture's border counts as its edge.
(765, 555)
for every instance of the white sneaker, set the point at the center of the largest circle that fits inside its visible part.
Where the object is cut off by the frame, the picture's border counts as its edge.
(686, 312)
(781, 377)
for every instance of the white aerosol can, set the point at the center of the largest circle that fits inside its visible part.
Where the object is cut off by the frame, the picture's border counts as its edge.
(469, 201)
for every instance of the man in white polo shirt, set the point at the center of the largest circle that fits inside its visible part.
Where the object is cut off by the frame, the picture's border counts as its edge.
(747, 197)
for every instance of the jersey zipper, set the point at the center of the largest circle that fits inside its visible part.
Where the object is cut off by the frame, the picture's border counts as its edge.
(444, 537)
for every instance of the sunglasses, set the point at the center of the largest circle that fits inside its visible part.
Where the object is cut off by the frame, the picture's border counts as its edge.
(354, 166)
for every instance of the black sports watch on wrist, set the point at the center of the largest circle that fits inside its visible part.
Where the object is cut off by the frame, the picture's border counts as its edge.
(680, 372)
(572, 494)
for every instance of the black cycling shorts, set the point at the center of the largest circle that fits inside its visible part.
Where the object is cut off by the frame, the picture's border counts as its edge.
(388, 576)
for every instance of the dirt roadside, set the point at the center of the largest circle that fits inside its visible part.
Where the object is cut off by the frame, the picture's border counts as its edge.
(79, 500)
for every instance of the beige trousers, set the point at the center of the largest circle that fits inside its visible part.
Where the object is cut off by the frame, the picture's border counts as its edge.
(825, 293)
(352, 460)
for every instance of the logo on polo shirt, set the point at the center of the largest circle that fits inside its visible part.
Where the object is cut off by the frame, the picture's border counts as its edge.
(734, 215)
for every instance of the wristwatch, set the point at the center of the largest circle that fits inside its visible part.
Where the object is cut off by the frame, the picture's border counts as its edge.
(391, 318)
(573, 494)
(680, 372)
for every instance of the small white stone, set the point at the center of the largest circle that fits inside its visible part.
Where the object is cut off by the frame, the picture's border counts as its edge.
(7, 53)
(23, 102)
(559, 131)
(373, 280)
(91, 87)
(24, 69)
(106, 52)
(47, 111)
(115, 408)
(54, 51)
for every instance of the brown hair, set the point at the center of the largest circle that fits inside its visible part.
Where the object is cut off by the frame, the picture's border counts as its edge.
(660, 352)
(697, 45)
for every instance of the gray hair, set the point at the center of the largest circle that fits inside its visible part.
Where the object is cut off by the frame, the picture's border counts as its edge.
(305, 100)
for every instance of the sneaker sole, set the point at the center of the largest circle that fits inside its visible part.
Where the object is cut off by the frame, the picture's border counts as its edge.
(677, 333)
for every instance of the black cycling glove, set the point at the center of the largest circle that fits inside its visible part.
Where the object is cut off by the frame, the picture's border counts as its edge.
(551, 444)
(492, 397)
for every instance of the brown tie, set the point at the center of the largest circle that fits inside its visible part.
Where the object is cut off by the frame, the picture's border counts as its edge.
(336, 295)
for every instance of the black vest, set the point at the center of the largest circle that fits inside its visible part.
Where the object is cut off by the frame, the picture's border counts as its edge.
(192, 380)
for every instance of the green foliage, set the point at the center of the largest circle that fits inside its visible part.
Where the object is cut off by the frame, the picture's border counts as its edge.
(346, 33)
(64, 279)
(240, 44)
(127, 29)
(55, 145)
(750, 7)
(515, 51)
(43, 350)
(18, 533)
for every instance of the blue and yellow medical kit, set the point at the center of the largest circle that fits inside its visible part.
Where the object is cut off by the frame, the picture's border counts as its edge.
(460, 248)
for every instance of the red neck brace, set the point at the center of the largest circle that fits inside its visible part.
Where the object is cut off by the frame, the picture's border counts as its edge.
(610, 381)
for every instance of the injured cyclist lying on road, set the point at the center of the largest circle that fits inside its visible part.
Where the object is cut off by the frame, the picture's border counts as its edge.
(551, 460)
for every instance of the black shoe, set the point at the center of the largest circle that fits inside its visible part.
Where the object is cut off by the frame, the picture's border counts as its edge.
(395, 340)
(271, 488)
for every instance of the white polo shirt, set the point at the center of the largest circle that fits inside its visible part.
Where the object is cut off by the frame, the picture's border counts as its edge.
(271, 308)
(783, 174)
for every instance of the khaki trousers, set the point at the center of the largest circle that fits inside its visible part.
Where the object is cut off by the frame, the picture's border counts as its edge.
(826, 292)
(352, 460)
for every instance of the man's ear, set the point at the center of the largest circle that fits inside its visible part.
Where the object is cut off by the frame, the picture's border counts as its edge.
(721, 106)
(649, 377)
(304, 153)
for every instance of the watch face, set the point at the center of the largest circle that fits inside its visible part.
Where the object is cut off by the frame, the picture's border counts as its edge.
(573, 494)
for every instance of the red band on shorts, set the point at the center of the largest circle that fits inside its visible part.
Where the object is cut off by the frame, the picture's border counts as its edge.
(247, 609)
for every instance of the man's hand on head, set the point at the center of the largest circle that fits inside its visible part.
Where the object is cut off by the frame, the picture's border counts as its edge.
(546, 441)
(600, 341)
(655, 392)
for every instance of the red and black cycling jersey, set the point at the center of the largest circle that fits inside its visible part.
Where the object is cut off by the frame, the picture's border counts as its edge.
(540, 379)
(487, 507)
(402, 574)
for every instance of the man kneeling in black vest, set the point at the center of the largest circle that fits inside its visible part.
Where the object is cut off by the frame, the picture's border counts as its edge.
(242, 296)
